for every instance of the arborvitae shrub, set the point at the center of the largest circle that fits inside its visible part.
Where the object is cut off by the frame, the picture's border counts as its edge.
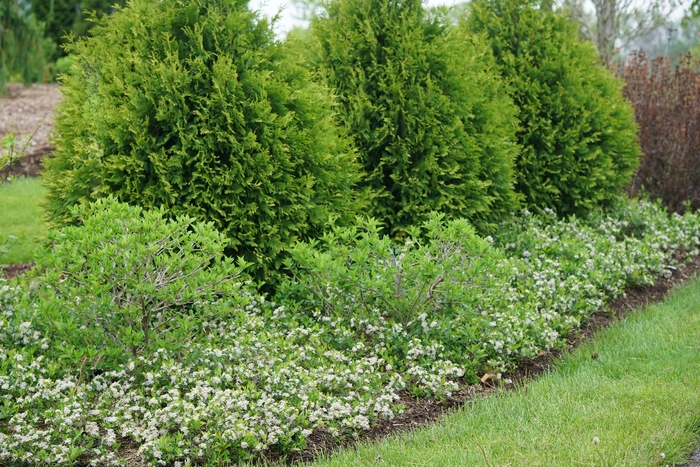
(427, 110)
(192, 105)
(579, 147)
(666, 101)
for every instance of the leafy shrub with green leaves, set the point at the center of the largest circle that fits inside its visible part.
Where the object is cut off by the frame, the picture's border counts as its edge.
(578, 135)
(448, 297)
(129, 280)
(11, 150)
(140, 332)
(426, 108)
(362, 319)
(195, 107)
(62, 66)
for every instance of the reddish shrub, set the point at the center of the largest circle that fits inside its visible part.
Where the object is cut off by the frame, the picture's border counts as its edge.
(666, 103)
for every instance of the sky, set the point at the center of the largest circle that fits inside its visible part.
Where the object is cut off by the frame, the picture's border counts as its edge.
(289, 16)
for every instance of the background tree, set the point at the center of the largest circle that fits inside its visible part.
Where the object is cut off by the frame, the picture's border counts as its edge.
(578, 135)
(617, 23)
(70, 17)
(23, 48)
(430, 116)
(673, 39)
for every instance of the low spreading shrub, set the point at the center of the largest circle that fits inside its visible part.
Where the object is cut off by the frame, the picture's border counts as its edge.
(434, 299)
(574, 266)
(579, 147)
(361, 319)
(429, 115)
(193, 106)
(133, 328)
(666, 103)
(132, 281)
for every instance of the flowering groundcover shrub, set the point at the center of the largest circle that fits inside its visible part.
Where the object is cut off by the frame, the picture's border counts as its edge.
(359, 320)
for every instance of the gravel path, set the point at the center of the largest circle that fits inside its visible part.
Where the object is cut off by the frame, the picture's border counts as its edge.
(29, 111)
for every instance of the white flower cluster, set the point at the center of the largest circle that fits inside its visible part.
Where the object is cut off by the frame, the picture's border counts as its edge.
(268, 375)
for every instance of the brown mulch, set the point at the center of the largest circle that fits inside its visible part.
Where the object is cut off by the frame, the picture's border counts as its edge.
(421, 412)
(694, 460)
(13, 270)
(28, 112)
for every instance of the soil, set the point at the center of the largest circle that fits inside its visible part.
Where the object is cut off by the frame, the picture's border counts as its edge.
(13, 270)
(28, 112)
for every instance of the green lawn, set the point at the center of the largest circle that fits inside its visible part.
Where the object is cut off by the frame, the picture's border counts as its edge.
(21, 216)
(640, 398)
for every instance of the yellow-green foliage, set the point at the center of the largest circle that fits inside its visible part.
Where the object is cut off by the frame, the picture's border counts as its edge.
(578, 136)
(430, 117)
(195, 107)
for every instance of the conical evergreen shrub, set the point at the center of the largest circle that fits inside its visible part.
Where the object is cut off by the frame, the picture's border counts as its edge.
(578, 136)
(193, 105)
(428, 113)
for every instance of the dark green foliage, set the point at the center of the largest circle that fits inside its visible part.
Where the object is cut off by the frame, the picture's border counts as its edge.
(194, 106)
(23, 48)
(65, 17)
(579, 147)
(428, 113)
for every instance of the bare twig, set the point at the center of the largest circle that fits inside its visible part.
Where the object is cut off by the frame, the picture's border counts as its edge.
(80, 375)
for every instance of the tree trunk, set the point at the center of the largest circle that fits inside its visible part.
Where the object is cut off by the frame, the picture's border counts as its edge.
(606, 12)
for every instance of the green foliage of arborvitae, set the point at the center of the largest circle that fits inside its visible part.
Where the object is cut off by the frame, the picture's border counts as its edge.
(195, 107)
(427, 110)
(578, 136)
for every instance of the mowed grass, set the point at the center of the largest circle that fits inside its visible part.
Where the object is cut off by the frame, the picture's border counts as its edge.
(639, 400)
(21, 216)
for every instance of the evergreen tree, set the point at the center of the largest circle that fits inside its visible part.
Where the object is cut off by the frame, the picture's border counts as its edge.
(426, 108)
(192, 105)
(578, 135)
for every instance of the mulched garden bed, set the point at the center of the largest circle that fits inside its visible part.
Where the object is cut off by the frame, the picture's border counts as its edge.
(422, 412)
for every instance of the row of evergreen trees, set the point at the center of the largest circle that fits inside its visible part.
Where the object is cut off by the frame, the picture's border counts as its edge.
(385, 109)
